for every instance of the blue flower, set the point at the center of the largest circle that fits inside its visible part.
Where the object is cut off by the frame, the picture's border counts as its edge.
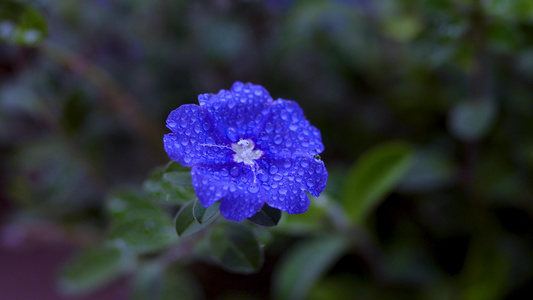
(246, 149)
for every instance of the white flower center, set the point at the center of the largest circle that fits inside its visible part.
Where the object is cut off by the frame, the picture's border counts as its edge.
(245, 153)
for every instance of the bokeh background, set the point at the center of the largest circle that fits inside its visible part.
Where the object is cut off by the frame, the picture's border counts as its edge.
(84, 99)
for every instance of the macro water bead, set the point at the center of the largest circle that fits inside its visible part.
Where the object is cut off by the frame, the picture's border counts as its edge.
(246, 149)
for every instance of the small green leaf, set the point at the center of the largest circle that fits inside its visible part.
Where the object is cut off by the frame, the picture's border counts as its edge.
(471, 121)
(185, 222)
(138, 223)
(93, 268)
(21, 24)
(373, 177)
(304, 264)
(202, 214)
(267, 216)
(236, 248)
(170, 184)
(177, 174)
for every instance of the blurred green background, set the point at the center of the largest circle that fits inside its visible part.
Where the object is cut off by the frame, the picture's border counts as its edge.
(86, 86)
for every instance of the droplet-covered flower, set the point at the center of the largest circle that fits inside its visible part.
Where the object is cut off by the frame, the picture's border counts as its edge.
(246, 149)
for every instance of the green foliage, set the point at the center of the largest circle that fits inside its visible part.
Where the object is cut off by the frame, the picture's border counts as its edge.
(304, 264)
(236, 248)
(373, 177)
(138, 223)
(171, 184)
(202, 214)
(21, 24)
(94, 267)
(186, 221)
(266, 216)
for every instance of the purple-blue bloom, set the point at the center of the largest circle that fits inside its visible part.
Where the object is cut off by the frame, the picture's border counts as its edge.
(246, 149)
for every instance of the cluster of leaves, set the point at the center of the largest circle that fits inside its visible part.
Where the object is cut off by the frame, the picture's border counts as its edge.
(143, 239)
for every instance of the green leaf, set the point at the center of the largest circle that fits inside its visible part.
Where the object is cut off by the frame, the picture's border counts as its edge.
(185, 222)
(471, 121)
(373, 177)
(202, 214)
(154, 281)
(305, 264)
(93, 268)
(236, 248)
(177, 174)
(138, 223)
(170, 184)
(486, 270)
(21, 24)
(267, 216)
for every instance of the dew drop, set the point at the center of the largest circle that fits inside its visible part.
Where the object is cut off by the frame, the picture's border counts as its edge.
(185, 141)
(278, 177)
(269, 127)
(304, 164)
(284, 115)
(172, 124)
(287, 163)
(206, 126)
(197, 128)
(187, 159)
(232, 188)
(232, 134)
(263, 177)
(278, 139)
(310, 183)
(293, 127)
(234, 172)
(283, 191)
(273, 170)
(254, 188)
(288, 143)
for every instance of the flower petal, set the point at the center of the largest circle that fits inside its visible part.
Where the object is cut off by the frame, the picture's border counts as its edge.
(192, 141)
(239, 112)
(288, 133)
(286, 180)
(241, 205)
(234, 184)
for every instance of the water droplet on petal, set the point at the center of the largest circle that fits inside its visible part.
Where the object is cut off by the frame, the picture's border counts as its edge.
(304, 163)
(185, 141)
(273, 170)
(278, 177)
(278, 139)
(234, 171)
(232, 134)
(253, 188)
(310, 183)
(293, 127)
(283, 191)
(287, 163)
(269, 127)
(263, 177)
(284, 115)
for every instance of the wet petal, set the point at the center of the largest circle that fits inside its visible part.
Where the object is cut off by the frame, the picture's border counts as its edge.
(239, 112)
(192, 141)
(288, 133)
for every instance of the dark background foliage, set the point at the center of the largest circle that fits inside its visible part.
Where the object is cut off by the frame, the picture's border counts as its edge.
(86, 87)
